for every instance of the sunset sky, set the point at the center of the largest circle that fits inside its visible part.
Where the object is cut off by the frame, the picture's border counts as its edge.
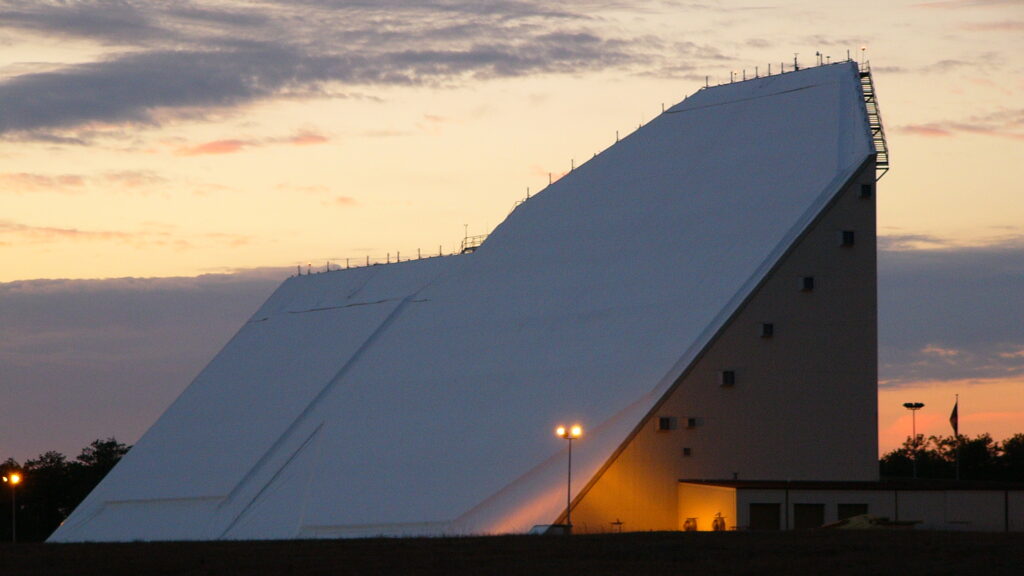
(163, 166)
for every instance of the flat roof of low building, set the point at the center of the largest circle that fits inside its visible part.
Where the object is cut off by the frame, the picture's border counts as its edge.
(884, 484)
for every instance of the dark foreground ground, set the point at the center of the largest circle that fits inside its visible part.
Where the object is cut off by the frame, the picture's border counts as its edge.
(903, 553)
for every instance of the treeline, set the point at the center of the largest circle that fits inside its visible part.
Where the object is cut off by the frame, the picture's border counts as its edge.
(980, 458)
(52, 486)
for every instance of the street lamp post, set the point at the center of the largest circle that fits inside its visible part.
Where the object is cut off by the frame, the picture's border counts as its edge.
(570, 434)
(914, 407)
(13, 479)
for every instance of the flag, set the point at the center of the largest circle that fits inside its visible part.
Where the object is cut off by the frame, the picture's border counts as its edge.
(954, 419)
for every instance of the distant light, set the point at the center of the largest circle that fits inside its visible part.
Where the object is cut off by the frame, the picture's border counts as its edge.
(571, 433)
(13, 479)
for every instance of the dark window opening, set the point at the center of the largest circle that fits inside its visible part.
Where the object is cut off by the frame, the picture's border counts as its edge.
(728, 378)
(765, 516)
(848, 237)
(691, 422)
(767, 330)
(808, 516)
(866, 190)
(666, 423)
(807, 284)
(687, 452)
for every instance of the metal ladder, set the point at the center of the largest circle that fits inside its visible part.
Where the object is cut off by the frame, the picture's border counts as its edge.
(867, 86)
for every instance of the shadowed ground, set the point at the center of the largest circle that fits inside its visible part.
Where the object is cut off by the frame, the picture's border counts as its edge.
(905, 553)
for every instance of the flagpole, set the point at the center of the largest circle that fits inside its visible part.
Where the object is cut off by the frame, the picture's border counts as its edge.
(956, 432)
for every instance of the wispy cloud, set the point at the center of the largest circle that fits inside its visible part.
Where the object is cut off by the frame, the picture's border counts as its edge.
(927, 130)
(202, 57)
(1001, 26)
(1001, 123)
(233, 145)
(958, 4)
(20, 182)
(214, 147)
(29, 182)
(343, 201)
(150, 236)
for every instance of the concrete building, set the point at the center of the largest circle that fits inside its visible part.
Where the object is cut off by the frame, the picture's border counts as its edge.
(926, 504)
(701, 297)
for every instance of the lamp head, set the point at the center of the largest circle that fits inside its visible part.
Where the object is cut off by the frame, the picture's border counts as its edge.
(571, 433)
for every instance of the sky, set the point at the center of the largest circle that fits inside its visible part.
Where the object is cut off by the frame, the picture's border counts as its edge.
(164, 166)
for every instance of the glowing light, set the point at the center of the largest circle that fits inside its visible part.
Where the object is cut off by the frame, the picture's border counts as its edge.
(571, 433)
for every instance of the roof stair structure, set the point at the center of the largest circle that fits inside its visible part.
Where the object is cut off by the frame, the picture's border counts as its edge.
(875, 121)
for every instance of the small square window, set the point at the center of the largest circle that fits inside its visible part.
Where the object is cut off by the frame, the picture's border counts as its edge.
(666, 423)
(767, 330)
(847, 237)
(687, 452)
(691, 422)
(727, 378)
(867, 190)
(807, 284)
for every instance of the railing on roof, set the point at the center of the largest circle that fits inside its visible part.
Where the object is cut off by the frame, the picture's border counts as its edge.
(471, 243)
(875, 121)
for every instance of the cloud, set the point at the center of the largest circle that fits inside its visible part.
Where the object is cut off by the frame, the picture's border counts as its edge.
(231, 146)
(343, 201)
(305, 138)
(151, 236)
(215, 147)
(71, 347)
(202, 58)
(133, 179)
(46, 234)
(1002, 26)
(20, 182)
(928, 130)
(1006, 123)
(950, 312)
(957, 4)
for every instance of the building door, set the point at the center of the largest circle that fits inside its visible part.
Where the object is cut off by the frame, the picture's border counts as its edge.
(765, 516)
(808, 516)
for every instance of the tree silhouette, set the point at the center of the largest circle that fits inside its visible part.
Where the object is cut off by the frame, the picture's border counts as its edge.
(980, 458)
(54, 486)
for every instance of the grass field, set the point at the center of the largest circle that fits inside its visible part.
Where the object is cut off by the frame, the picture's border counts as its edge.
(904, 553)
